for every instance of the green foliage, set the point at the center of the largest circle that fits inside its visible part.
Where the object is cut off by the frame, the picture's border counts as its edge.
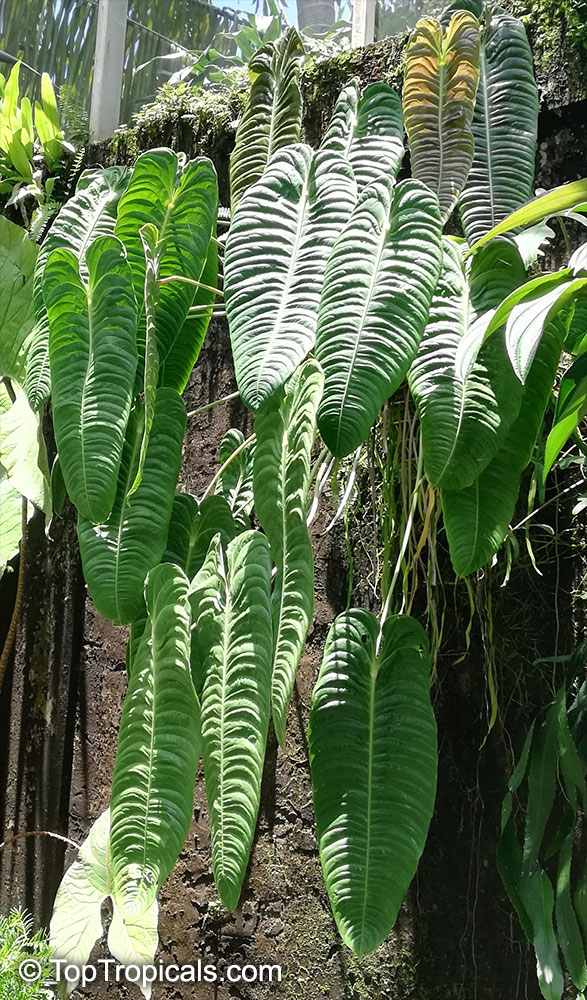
(272, 117)
(17, 944)
(538, 872)
(281, 478)
(372, 741)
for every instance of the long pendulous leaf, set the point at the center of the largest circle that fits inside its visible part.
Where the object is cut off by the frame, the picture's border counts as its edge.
(281, 476)
(93, 354)
(372, 741)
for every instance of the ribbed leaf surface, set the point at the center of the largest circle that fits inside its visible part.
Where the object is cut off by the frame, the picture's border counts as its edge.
(235, 704)
(504, 128)
(276, 255)
(90, 213)
(118, 553)
(285, 433)
(369, 131)
(93, 354)
(440, 84)
(236, 482)
(182, 203)
(477, 518)
(192, 528)
(273, 114)
(462, 423)
(372, 740)
(158, 749)
(374, 306)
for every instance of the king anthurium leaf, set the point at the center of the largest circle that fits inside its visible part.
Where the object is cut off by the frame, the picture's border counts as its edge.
(276, 253)
(18, 254)
(368, 131)
(462, 423)
(273, 114)
(477, 518)
(374, 305)
(372, 741)
(192, 528)
(440, 84)
(504, 128)
(235, 701)
(285, 432)
(90, 213)
(181, 202)
(23, 455)
(118, 553)
(158, 749)
(133, 940)
(495, 272)
(571, 407)
(93, 355)
(12, 515)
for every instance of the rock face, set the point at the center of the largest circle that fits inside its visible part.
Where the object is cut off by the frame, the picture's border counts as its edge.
(456, 938)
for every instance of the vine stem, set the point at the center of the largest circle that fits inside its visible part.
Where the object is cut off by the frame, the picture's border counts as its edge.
(39, 833)
(403, 547)
(11, 634)
(189, 281)
(224, 466)
(216, 402)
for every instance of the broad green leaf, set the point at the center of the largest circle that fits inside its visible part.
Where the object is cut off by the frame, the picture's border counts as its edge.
(273, 114)
(158, 750)
(276, 254)
(527, 320)
(571, 407)
(22, 448)
(192, 528)
(541, 786)
(477, 518)
(440, 83)
(372, 741)
(494, 273)
(463, 422)
(374, 306)
(236, 482)
(235, 704)
(285, 433)
(504, 130)
(11, 520)
(368, 132)
(554, 202)
(93, 354)
(118, 553)
(90, 213)
(17, 263)
(133, 940)
(578, 260)
(181, 202)
(76, 922)
(568, 932)
(509, 864)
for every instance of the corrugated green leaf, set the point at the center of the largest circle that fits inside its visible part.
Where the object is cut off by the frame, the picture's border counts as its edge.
(374, 306)
(192, 528)
(93, 354)
(17, 264)
(285, 433)
(504, 128)
(276, 255)
(368, 131)
(118, 553)
(273, 114)
(235, 704)
(90, 213)
(158, 750)
(372, 740)
(236, 482)
(181, 201)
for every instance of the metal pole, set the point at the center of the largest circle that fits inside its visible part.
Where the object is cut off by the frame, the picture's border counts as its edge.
(363, 32)
(108, 66)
